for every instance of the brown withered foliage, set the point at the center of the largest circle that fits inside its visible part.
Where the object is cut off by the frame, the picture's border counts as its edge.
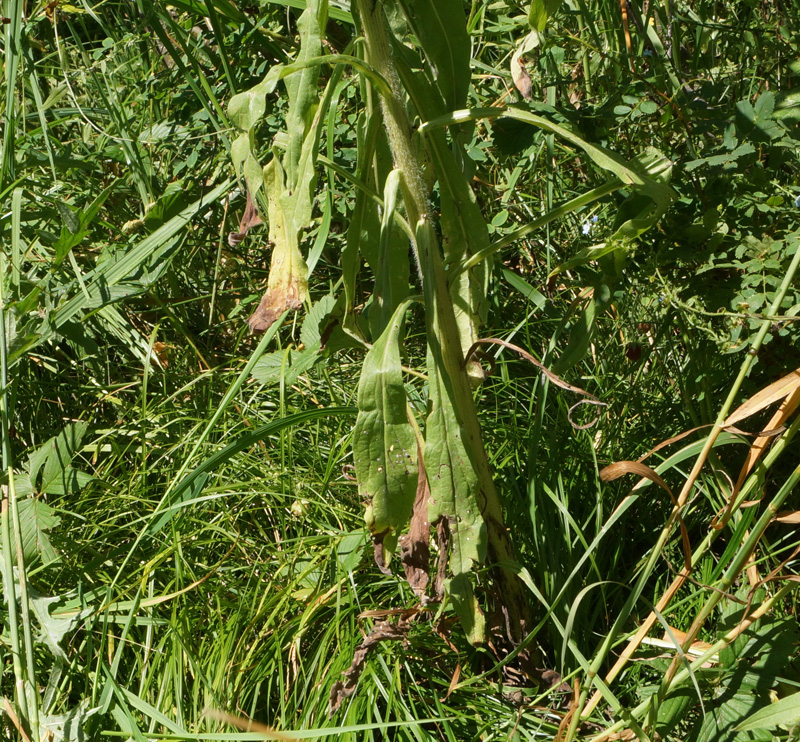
(415, 550)
(249, 219)
(381, 632)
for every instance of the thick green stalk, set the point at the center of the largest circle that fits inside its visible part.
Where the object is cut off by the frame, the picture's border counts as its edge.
(443, 333)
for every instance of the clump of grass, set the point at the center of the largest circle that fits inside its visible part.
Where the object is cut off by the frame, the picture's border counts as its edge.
(180, 536)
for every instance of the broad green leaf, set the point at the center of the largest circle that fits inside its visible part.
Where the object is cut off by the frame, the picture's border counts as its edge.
(441, 30)
(36, 518)
(785, 712)
(54, 628)
(246, 164)
(540, 11)
(350, 550)
(309, 332)
(246, 109)
(723, 716)
(384, 444)
(284, 364)
(58, 476)
(452, 476)
(69, 727)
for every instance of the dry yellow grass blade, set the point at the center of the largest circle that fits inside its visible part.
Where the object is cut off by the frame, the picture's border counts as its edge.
(621, 468)
(789, 387)
(790, 403)
(248, 725)
(769, 395)
(787, 517)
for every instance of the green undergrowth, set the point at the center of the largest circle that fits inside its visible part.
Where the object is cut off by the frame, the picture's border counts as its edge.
(183, 532)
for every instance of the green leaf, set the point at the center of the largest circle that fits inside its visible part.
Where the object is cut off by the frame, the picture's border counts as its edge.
(540, 11)
(246, 109)
(309, 332)
(302, 87)
(785, 712)
(580, 337)
(384, 445)
(532, 294)
(35, 519)
(53, 628)
(441, 30)
(53, 460)
(284, 364)
(350, 550)
(723, 716)
(391, 286)
(454, 482)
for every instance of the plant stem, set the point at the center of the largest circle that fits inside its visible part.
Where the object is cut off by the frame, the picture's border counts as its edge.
(443, 333)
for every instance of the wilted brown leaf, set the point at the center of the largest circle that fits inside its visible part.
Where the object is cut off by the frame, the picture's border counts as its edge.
(621, 468)
(381, 632)
(249, 219)
(520, 76)
(415, 552)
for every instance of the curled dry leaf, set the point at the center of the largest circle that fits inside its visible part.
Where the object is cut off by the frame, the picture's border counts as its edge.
(519, 71)
(249, 219)
(381, 632)
(415, 552)
(557, 380)
(774, 427)
(621, 468)
(769, 395)
(520, 76)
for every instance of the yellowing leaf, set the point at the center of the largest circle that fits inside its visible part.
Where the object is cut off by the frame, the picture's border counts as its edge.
(287, 286)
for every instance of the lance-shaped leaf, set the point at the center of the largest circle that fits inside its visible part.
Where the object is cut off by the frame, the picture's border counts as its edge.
(384, 445)
(441, 30)
(287, 286)
(455, 486)
(302, 86)
(464, 230)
